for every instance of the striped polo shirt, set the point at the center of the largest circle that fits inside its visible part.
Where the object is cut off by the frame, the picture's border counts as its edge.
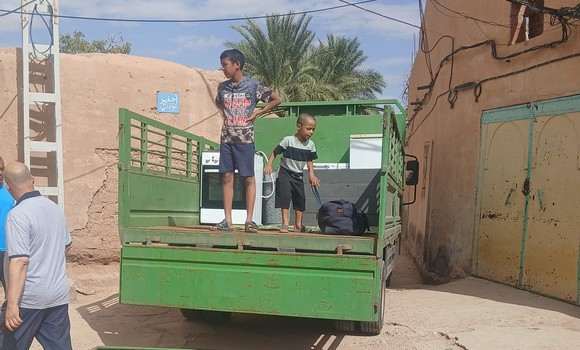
(295, 154)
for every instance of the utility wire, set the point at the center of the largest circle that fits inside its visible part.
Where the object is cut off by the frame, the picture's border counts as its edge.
(210, 20)
(7, 12)
(379, 14)
(477, 84)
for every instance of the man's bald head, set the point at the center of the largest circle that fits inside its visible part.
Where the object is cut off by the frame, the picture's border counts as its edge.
(18, 179)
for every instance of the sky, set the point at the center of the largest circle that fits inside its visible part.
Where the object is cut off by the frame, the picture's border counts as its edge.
(389, 45)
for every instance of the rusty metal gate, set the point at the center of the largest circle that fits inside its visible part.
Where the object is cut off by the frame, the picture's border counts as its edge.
(527, 231)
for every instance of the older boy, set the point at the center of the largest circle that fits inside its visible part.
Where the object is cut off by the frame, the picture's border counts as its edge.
(237, 98)
(297, 151)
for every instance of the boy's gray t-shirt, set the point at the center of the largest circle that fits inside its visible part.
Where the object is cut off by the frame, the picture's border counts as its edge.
(36, 228)
(238, 101)
(295, 154)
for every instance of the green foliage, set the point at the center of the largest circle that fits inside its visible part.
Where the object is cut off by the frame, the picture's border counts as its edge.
(77, 44)
(284, 58)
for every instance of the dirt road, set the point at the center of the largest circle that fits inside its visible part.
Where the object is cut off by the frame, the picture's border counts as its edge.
(465, 314)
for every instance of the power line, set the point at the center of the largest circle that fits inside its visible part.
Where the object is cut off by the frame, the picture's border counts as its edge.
(7, 12)
(477, 86)
(436, 2)
(379, 14)
(210, 20)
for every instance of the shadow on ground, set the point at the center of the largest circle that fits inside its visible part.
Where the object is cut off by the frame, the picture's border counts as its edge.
(145, 326)
(406, 277)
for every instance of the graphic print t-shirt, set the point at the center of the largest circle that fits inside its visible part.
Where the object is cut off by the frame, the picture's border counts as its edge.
(237, 102)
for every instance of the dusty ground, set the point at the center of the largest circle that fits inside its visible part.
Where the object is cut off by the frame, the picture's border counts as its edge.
(465, 314)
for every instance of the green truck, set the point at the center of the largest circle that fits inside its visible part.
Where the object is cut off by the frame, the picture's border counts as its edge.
(169, 259)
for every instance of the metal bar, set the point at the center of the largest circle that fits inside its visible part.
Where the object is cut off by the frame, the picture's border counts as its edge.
(188, 159)
(42, 97)
(168, 152)
(527, 201)
(157, 143)
(42, 146)
(48, 191)
(143, 151)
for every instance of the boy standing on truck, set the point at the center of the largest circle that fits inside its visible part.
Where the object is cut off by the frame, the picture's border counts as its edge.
(297, 150)
(237, 98)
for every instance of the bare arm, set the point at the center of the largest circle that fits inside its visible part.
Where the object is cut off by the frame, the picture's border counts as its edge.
(17, 268)
(312, 178)
(274, 101)
(268, 169)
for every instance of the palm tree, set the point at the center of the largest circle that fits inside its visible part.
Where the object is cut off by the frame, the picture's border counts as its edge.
(339, 62)
(279, 56)
(284, 58)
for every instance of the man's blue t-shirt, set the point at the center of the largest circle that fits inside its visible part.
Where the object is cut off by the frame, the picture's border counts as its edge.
(6, 203)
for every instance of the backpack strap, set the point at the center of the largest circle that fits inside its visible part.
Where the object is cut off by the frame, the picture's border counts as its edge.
(316, 196)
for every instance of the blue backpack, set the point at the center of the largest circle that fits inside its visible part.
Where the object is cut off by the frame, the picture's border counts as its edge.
(342, 217)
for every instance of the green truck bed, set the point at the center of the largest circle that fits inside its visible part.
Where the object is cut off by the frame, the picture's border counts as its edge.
(168, 259)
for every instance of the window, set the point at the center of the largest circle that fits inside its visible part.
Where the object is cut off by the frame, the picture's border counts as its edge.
(525, 23)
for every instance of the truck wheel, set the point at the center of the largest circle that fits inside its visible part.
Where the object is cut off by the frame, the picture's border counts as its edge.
(216, 316)
(375, 327)
(192, 314)
(345, 326)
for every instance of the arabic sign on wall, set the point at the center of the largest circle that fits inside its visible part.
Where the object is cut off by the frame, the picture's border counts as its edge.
(167, 102)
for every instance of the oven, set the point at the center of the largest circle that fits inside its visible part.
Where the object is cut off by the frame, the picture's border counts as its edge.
(211, 201)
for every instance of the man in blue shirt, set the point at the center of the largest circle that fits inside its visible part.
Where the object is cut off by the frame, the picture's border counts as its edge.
(6, 203)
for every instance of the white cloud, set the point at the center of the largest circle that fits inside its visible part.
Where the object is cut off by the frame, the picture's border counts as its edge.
(197, 43)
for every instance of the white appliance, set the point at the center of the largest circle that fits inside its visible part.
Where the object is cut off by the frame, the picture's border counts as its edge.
(365, 151)
(211, 198)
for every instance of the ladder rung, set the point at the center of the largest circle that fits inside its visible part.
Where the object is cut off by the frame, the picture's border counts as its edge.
(43, 146)
(40, 48)
(42, 97)
(48, 191)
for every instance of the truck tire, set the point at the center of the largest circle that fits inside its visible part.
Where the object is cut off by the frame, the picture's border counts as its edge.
(375, 327)
(345, 326)
(192, 314)
(216, 316)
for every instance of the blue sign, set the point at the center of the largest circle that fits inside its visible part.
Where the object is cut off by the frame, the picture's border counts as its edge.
(167, 102)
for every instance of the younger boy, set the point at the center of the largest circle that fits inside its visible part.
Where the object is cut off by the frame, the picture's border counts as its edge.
(296, 150)
(237, 98)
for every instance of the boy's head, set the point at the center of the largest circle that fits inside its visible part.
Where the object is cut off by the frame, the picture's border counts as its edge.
(232, 61)
(305, 124)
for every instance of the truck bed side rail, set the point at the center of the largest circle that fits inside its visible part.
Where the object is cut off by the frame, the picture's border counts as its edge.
(155, 161)
(391, 186)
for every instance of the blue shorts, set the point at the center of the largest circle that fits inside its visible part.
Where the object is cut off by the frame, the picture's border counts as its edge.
(237, 156)
(51, 327)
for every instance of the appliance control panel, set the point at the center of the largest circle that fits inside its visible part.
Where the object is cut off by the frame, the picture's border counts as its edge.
(210, 158)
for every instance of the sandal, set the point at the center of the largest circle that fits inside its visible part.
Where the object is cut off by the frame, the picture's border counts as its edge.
(303, 229)
(283, 229)
(222, 226)
(251, 227)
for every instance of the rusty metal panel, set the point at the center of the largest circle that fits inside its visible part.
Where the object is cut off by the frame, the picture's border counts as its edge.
(503, 173)
(552, 235)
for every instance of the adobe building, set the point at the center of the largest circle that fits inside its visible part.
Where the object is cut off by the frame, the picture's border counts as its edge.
(494, 118)
(93, 88)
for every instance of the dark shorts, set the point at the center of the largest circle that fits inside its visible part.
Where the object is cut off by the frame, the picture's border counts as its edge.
(51, 327)
(289, 189)
(237, 156)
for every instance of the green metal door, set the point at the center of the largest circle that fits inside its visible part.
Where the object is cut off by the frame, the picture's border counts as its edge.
(528, 198)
